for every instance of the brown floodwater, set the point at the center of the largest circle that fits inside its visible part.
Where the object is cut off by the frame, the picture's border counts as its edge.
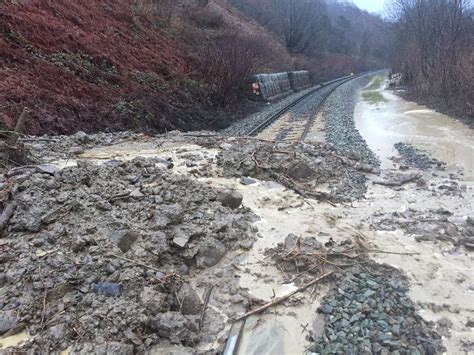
(398, 120)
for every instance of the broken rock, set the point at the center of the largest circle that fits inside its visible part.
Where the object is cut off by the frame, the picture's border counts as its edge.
(126, 240)
(173, 326)
(103, 349)
(8, 321)
(189, 300)
(300, 171)
(154, 301)
(230, 198)
(210, 253)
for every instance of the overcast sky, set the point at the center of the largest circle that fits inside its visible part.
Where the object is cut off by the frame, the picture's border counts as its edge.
(370, 5)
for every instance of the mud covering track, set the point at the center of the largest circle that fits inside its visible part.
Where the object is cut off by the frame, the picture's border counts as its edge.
(95, 254)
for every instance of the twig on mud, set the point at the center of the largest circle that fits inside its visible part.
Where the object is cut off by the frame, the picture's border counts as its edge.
(204, 306)
(120, 196)
(283, 271)
(256, 139)
(283, 298)
(398, 180)
(136, 262)
(305, 328)
(45, 294)
(38, 139)
(304, 272)
(376, 251)
(257, 164)
(296, 249)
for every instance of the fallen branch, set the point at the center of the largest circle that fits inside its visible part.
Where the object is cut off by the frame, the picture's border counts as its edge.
(204, 306)
(376, 251)
(256, 139)
(398, 180)
(38, 139)
(281, 299)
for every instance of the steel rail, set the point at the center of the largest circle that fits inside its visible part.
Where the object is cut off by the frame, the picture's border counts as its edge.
(270, 120)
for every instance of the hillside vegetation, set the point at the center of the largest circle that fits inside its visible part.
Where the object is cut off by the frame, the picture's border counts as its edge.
(155, 64)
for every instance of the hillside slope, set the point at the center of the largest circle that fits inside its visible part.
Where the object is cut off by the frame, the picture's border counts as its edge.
(102, 64)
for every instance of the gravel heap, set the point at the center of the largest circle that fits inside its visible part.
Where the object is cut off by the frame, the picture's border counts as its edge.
(301, 167)
(428, 225)
(339, 115)
(370, 313)
(96, 254)
(415, 158)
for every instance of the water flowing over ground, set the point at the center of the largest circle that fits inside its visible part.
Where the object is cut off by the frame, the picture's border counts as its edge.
(396, 120)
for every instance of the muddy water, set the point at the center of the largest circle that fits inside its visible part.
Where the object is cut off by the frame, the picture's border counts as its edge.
(398, 120)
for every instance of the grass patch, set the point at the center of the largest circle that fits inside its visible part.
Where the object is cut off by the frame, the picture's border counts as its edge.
(373, 97)
(377, 81)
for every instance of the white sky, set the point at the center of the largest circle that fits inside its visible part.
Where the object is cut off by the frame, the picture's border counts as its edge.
(371, 5)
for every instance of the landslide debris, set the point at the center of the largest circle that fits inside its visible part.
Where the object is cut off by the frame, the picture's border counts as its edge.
(412, 157)
(13, 152)
(430, 225)
(100, 256)
(367, 310)
(312, 170)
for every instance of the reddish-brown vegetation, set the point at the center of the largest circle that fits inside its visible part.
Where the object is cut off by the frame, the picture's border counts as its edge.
(80, 64)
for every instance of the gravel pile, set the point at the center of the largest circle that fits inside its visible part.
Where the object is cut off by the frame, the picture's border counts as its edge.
(339, 115)
(431, 225)
(302, 167)
(370, 313)
(100, 254)
(415, 158)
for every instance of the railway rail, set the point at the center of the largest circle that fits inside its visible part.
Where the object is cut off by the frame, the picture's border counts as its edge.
(297, 127)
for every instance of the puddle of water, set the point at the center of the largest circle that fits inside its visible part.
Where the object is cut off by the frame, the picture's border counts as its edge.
(14, 340)
(398, 120)
(130, 150)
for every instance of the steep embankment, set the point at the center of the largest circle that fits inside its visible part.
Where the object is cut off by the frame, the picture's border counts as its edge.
(90, 65)
(106, 64)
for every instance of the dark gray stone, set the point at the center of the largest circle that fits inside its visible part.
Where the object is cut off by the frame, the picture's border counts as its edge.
(300, 171)
(172, 326)
(210, 253)
(126, 240)
(8, 320)
(247, 181)
(107, 289)
(189, 301)
(154, 301)
(230, 198)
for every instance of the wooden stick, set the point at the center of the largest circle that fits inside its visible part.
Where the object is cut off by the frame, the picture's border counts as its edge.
(204, 306)
(256, 139)
(376, 251)
(281, 299)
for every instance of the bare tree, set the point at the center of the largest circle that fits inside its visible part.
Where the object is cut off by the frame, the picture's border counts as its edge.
(431, 40)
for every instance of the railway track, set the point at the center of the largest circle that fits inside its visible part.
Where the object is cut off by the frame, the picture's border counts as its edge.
(293, 123)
